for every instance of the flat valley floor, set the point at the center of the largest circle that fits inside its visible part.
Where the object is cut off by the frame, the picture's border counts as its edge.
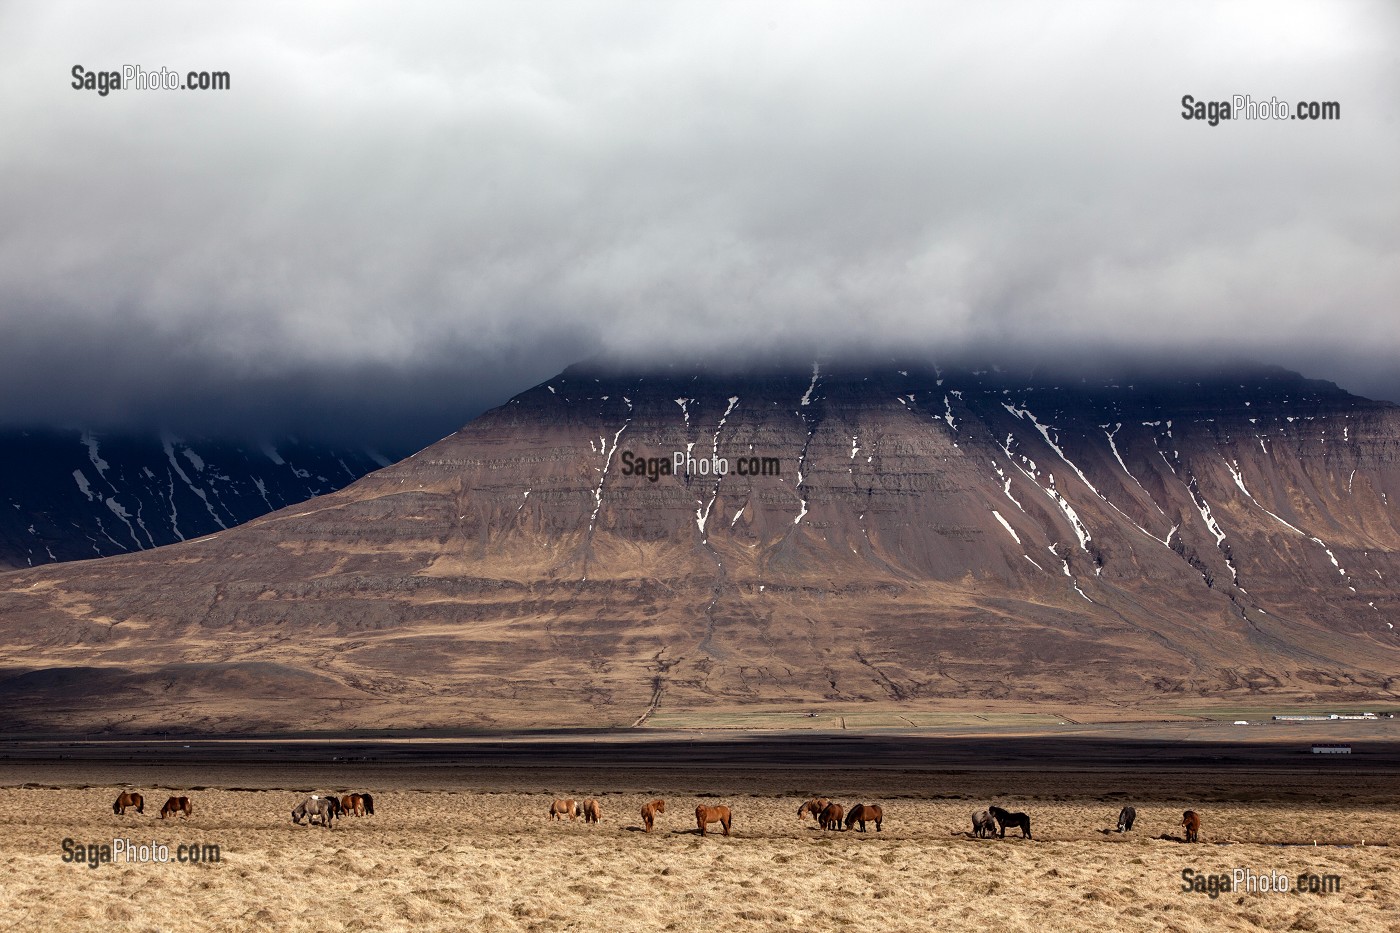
(461, 840)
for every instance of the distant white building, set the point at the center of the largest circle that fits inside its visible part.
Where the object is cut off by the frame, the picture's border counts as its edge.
(1328, 748)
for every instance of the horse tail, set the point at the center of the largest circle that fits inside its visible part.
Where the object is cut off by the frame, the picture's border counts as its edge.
(140, 804)
(369, 804)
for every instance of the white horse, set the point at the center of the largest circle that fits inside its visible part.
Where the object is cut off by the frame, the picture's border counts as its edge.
(313, 808)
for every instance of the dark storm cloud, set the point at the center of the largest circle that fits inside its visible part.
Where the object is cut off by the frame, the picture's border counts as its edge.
(437, 206)
(103, 374)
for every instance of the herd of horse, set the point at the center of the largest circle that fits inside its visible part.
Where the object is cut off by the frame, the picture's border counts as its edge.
(994, 821)
(314, 809)
(322, 810)
(589, 810)
(831, 815)
(173, 806)
(828, 813)
(592, 813)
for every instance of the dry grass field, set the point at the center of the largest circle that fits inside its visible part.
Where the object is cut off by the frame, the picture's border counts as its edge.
(492, 861)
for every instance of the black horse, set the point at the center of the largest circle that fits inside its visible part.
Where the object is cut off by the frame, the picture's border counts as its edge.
(1126, 818)
(1005, 819)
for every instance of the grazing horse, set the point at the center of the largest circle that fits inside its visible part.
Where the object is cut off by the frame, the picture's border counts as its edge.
(863, 813)
(1005, 819)
(562, 808)
(649, 813)
(129, 799)
(815, 806)
(983, 826)
(831, 816)
(315, 808)
(706, 815)
(1191, 822)
(358, 804)
(1126, 818)
(176, 805)
(591, 811)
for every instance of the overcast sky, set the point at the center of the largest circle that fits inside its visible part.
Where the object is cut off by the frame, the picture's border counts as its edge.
(396, 218)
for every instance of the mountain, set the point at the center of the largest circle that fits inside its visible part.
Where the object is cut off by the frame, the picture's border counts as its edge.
(915, 535)
(69, 495)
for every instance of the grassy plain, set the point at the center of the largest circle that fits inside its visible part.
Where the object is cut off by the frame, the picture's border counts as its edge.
(480, 854)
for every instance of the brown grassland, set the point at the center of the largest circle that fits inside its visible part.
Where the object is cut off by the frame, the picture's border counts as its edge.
(482, 855)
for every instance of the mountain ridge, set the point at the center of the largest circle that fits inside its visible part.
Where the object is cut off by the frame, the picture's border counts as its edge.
(77, 494)
(932, 535)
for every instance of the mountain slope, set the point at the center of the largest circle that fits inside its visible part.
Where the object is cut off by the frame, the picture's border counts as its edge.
(943, 536)
(70, 495)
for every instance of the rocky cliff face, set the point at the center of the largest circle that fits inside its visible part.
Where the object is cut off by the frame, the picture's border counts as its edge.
(73, 495)
(911, 534)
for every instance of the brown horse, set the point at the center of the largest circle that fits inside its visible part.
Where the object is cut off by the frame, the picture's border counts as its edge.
(863, 813)
(831, 816)
(704, 816)
(815, 806)
(129, 799)
(1191, 822)
(358, 804)
(649, 813)
(591, 811)
(176, 805)
(562, 808)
